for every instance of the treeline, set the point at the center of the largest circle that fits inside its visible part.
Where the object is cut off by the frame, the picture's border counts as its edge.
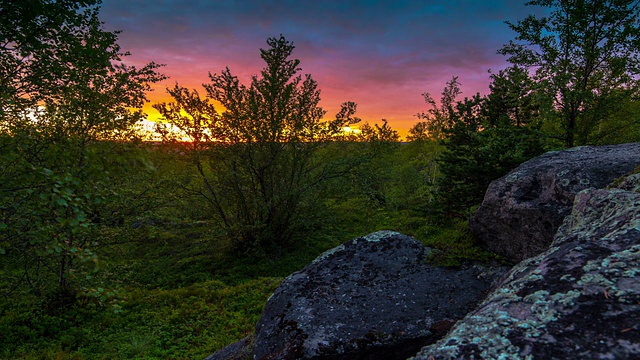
(572, 81)
(264, 165)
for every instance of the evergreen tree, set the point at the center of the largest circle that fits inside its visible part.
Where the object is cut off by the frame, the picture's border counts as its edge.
(489, 136)
(585, 57)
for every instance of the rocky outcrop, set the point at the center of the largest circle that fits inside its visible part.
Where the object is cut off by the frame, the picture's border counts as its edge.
(578, 300)
(522, 211)
(371, 298)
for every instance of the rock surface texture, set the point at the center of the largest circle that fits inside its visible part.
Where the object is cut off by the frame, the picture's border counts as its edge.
(522, 211)
(578, 300)
(239, 350)
(371, 298)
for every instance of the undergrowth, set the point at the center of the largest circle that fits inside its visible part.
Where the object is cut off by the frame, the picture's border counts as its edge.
(169, 285)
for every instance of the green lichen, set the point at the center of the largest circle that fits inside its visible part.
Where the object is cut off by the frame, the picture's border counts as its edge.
(540, 309)
(328, 253)
(379, 235)
(528, 304)
(608, 274)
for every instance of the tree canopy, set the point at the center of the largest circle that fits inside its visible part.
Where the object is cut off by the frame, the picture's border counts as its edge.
(259, 159)
(63, 87)
(585, 56)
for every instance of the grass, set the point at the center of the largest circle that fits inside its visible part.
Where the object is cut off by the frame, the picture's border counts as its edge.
(181, 294)
(182, 297)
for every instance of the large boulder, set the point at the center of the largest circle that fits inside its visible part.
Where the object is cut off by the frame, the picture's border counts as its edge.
(371, 298)
(578, 300)
(522, 211)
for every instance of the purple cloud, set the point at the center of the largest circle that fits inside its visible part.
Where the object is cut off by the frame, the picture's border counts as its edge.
(381, 54)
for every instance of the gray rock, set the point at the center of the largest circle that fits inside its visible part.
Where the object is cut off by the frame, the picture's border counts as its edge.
(578, 300)
(371, 298)
(239, 350)
(522, 211)
(630, 183)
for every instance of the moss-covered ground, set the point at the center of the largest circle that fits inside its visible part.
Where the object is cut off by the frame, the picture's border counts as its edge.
(169, 287)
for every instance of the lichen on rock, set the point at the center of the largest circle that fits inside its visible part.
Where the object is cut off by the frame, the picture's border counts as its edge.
(579, 299)
(373, 297)
(522, 211)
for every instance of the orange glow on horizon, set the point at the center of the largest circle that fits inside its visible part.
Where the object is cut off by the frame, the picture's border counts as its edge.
(400, 124)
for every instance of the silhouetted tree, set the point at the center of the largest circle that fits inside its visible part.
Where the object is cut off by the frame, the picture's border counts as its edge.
(584, 55)
(437, 119)
(489, 136)
(259, 159)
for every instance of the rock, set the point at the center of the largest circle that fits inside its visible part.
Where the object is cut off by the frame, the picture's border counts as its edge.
(371, 298)
(578, 300)
(239, 350)
(522, 211)
(630, 183)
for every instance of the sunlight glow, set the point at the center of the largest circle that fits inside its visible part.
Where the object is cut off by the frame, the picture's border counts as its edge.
(350, 130)
(146, 129)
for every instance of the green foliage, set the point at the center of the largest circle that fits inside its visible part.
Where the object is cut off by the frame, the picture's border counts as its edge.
(37, 38)
(189, 322)
(488, 137)
(259, 161)
(64, 88)
(180, 293)
(585, 57)
(262, 174)
(454, 245)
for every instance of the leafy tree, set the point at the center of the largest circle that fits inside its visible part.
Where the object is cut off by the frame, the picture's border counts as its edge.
(437, 120)
(585, 57)
(260, 160)
(379, 133)
(619, 124)
(31, 43)
(488, 137)
(65, 89)
(376, 145)
(419, 132)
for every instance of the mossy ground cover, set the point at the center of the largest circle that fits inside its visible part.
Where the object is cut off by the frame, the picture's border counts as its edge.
(181, 296)
(171, 287)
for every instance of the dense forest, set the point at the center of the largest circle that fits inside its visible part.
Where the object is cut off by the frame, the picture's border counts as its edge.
(116, 247)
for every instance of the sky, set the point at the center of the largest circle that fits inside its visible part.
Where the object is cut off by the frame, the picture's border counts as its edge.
(383, 55)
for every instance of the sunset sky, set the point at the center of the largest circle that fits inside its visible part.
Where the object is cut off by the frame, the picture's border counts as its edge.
(381, 54)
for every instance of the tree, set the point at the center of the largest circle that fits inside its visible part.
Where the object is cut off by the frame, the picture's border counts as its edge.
(65, 90)
(437, 120)
(488, 137)
(585, 57)
(259, 160)
(378, 133)
(30, 42)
